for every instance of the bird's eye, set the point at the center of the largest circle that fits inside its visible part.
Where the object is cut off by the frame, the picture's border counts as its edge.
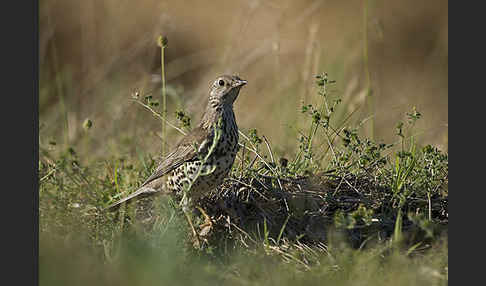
(221, 82)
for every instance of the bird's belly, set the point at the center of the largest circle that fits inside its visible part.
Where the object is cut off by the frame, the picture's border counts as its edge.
(188, 178)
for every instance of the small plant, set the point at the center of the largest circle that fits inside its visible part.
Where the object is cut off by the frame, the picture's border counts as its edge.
(184, 119)
(320, 117)
(87, 124)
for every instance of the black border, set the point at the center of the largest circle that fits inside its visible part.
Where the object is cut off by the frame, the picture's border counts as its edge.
(466, 143)
(19, 118)
(35, 17)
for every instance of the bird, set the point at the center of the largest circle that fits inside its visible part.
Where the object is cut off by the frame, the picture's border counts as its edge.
(203, 157)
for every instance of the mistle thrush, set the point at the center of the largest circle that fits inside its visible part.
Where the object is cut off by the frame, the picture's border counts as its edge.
(181, 172)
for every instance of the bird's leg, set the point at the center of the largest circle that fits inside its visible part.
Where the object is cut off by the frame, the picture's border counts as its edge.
(185, 203)
(207, 219)
(194, 233)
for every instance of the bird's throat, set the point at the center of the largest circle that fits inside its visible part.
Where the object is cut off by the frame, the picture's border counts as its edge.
(213, 113)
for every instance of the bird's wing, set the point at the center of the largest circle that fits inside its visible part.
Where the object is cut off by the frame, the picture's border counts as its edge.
(186, 150)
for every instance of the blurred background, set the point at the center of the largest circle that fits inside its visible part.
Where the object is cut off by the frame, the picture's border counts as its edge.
(95, 54)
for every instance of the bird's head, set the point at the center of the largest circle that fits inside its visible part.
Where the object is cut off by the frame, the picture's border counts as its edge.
(224, 90)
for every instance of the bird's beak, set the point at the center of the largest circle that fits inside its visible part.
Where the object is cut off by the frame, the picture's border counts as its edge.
(239, 82)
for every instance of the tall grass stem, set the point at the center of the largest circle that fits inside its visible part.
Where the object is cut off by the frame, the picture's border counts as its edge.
(163, 45)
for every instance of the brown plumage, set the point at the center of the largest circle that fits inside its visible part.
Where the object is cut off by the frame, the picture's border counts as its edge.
(182, 164)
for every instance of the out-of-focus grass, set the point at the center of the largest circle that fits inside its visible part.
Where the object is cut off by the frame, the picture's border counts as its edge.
(79, 246)
(163, 260)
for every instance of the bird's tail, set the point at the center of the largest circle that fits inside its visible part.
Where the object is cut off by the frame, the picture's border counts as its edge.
(140, 193)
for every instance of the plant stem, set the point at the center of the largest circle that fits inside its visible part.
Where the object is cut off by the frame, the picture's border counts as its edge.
(164, 98)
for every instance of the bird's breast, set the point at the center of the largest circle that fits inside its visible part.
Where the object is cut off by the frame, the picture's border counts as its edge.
(201, 176)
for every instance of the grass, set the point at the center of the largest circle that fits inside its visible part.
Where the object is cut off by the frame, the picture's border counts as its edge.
(343, 209)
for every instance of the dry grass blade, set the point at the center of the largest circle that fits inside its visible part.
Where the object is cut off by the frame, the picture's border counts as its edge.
(157, 115)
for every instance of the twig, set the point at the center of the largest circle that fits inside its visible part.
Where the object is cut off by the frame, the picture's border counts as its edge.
(249, 186)
(256, 153)
(273, 161)
(156, 114)
(48, 174)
